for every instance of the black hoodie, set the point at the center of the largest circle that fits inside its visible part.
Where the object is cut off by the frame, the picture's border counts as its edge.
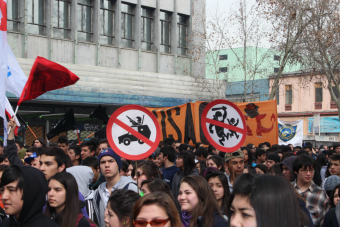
(34, 196)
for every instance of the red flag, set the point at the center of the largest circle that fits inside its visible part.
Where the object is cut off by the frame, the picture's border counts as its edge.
(46, 76)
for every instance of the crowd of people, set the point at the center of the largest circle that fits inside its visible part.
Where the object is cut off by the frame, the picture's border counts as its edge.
(178, 185)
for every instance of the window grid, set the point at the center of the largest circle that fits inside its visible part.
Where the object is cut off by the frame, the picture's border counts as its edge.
(13, 15)
(318, 92)
(107, 31)
(36, 5)
(276, 58)
(182, 26)
(147, 20)
(335, 93)
(223, 69)
(127, 33)
(83, 7)
(289, 94)
(223, 57)
(65, 26)
(276, 70)
(164, 30)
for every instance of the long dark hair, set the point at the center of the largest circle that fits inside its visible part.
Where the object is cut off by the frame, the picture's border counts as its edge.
(188, 162)
(320, 161)
(207, 203)
(41, 140)
(250, 156)
(224, 181)
(270, 196)
(69, 215)
(157, 185)
(150, 169)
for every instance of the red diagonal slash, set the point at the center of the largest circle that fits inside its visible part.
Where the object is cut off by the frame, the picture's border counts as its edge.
(224, 125)
(134, 132)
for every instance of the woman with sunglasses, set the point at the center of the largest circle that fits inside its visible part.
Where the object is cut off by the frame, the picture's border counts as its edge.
(146, 170)
(119, 208)
(156, 209)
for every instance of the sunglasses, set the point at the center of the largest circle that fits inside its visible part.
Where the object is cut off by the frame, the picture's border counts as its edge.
(153, 223)
(139, 174)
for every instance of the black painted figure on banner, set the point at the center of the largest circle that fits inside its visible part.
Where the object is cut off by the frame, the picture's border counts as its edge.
(219, 130)
(233, 123)
(142, 129)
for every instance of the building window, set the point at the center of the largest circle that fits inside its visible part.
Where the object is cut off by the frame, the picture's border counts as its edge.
(36, 17)
(289, 94)
(165, 32)
(276, 70)
(107, 15)
(128, 15)
(182, 25)
(276, 58)
(277, 96)
(318, 92)
(61, 19)
(223, 57)
(335, 93)
(85, 14)
(13, 15)
(223, 69)
(147, 28)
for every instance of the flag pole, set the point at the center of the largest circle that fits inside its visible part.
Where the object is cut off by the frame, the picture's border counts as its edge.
(31, 131)
(86, 138)
(78, 136)
(15, 113)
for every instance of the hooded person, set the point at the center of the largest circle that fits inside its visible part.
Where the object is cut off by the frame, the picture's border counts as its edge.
(287, 168)
(84, 176)
(24, 205)
(110, 165)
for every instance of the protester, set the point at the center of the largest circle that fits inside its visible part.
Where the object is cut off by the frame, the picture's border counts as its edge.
(330, 183)
(216, 161)
(21, 148)
(287, 168)
(33, 160)
(1, 147)
(234, 163)
(201, 153)
(218, 182)
(315, 197)
(88, 149)
(198, 204)
(321, 165)
(119, 208)
(22, 201)
(260, 156)
(155, 209)
(272, 159)
(275, 170)
(39, 142)
(335, 165)
(98, 178)
(52, 161)
(335, 197)
(74, 153)
(155, 185)
(63, 205)
(261, 169)
(63, 144)
(4, 160)
(248, 156)
(186, 164)
(146, 170)
(255, 201)
(103, 144)
(249, 169)
(167, 158)
(124, 169)
(110, 164)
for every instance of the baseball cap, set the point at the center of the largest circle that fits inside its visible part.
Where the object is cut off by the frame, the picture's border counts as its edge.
(32, 157)
(236, 154)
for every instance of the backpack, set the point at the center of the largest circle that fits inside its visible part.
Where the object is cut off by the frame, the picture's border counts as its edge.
(80, 216)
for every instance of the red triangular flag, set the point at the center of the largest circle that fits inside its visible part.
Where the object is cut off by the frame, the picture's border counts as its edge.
(46, 76)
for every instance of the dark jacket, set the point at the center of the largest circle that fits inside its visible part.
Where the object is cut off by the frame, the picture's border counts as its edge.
(12, 153)
(169, 173)
(219, 221)
(176, 184)
(331, 219)
(34, 197)
(306, 211)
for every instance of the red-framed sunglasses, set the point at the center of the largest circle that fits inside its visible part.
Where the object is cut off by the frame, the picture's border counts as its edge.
(153, 223)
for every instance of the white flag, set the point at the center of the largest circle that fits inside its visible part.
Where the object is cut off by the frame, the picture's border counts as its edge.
(290, 132)
(10, 112)
(16, 79)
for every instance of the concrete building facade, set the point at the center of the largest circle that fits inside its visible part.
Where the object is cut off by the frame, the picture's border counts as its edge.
(125, 52)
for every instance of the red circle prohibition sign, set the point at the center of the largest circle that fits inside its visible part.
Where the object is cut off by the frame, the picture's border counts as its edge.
(205, 120)
(114, 120)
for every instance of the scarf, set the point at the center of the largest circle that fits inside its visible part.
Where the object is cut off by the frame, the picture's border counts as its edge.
(185, 218)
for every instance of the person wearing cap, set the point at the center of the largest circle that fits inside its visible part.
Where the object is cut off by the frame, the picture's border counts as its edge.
(234, 163)
(330, 183)
(287, 168)
(110, 164)
(33, 160)
(272, 159)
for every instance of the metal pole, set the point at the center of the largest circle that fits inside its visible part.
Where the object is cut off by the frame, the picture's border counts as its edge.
(47, 130)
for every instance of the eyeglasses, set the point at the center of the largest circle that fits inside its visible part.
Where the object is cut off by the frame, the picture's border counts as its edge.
(153, 223)
(139, 174)
(307, 170)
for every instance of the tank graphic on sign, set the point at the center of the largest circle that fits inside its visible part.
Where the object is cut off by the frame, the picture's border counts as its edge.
(127, 138)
